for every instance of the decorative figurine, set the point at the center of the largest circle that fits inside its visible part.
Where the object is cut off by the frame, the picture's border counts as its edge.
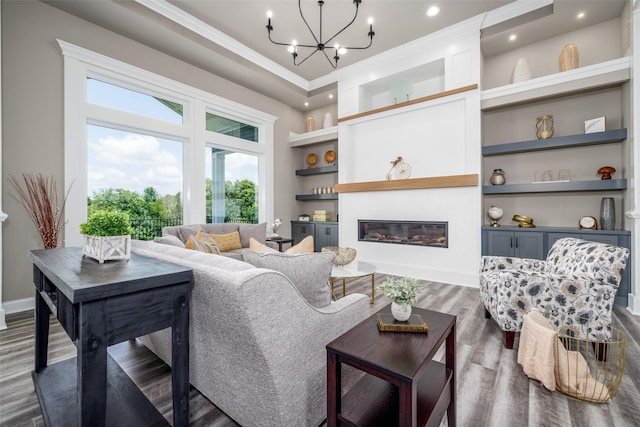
(495, 213)
(400, 168)
(606, 172)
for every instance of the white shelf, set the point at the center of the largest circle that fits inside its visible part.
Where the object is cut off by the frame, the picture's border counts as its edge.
(609, 73)
(314, 137)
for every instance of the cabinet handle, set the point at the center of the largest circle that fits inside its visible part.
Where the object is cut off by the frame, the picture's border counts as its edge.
(516, 243)
(327, 231)
(304, 230)
(511, 242)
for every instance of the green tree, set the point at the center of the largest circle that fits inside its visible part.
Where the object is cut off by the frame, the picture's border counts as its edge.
(118, 199)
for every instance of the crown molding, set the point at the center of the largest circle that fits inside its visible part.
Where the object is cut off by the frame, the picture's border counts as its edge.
(210, 33)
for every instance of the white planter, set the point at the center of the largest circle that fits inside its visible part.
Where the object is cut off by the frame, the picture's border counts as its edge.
(400, 312)
(105, 248)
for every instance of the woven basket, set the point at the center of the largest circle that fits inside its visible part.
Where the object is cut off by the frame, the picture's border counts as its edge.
(343, 255)
(569, 58)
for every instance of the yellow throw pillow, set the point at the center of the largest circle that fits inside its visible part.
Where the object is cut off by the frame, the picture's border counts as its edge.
(304, 247)
(227, 242)
(202, 242)
(256, 246)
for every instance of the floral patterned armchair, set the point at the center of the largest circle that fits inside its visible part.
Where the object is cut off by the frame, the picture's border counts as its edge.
(575, 287)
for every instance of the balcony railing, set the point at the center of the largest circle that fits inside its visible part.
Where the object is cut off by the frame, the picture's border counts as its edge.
(148, 228)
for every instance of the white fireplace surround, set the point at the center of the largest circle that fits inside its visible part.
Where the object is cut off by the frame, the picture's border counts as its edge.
(437, 138)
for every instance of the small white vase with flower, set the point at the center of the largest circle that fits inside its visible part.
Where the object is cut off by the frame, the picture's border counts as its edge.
(273, 230)
(403, 292)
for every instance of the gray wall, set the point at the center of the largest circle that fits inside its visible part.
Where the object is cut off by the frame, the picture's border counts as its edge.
(32, 105)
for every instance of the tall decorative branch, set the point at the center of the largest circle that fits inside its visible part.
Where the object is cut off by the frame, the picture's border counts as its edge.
(39, 197)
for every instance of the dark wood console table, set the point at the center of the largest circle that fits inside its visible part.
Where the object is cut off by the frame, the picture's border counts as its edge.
(403, 386)
(99, 305)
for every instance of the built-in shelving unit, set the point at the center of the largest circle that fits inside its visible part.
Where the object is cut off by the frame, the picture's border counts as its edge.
(555, 187)
(307, 197)
(317, 171)
(580, 140)
(314, 137)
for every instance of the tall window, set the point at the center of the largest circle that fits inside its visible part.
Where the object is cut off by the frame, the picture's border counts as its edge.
(136, 138)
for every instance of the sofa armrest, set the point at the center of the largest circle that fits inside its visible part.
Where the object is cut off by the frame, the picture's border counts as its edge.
(493, 263)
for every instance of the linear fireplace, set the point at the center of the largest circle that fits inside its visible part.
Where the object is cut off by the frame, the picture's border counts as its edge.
(415, 233)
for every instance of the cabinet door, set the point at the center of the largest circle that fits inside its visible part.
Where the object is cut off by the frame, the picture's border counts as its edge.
(610, 239)
(301, 230)
(326, 235)
(500, 243)
(554, 237)
(529, 245)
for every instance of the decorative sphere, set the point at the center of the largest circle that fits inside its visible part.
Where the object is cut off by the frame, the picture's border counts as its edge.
(495, 212)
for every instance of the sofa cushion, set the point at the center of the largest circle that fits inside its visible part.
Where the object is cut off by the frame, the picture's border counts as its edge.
(169, 240)
(308, 272)
(256, 246)
(304, 247)
(184, 231)
(220, 228)
(227, 242)
(202, 242)
(256, 231)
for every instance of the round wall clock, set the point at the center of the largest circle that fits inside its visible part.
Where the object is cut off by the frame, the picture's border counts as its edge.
(588, 223)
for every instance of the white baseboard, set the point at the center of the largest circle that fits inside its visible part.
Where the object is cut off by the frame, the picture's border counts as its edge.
(18, 305)
(3, 323)
(633, 304)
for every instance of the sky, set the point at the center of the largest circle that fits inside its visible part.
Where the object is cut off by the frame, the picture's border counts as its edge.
(133, 161)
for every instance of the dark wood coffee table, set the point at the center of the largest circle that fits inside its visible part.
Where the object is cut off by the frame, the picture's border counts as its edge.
(403, 385)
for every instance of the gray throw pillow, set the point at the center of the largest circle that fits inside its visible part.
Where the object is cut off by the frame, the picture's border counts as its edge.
(257, 231)
(309, 273)
(169, 240)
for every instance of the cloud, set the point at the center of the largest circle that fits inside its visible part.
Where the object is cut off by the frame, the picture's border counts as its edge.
(134, 162)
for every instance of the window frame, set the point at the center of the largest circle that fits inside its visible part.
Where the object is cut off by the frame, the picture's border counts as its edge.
(80, 64)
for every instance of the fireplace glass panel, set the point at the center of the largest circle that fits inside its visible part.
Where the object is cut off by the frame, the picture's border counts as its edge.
(415, 233)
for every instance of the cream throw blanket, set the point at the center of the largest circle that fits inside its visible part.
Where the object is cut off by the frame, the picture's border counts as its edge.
(543, 357)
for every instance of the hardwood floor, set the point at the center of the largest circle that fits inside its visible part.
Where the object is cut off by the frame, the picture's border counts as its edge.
(492, 389)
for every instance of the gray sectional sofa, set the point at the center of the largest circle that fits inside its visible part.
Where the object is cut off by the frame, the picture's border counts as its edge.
(257, 345)
(246, 231)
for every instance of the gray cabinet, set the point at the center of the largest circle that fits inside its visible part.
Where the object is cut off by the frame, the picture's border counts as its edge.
(536, 242)
(324, 233)
(516, 244)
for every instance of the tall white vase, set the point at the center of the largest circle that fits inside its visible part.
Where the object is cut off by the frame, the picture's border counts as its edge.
(328, 121)
(521, 71)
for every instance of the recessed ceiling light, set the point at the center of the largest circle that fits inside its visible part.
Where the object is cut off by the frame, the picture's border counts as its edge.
(433, 11)
(580, 15)
(512, 37)
(306, 104)
(330, 96)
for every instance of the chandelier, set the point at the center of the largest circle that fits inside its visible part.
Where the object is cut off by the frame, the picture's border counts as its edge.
(322, 45)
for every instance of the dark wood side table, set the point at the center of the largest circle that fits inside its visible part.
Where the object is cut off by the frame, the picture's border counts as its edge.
(281, 241)
(403, 386)
(99, 305)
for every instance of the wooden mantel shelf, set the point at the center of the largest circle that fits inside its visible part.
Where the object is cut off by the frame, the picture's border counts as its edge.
(470, 180)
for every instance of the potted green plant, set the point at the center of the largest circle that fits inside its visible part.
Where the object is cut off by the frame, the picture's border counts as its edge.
(402, 291)
(107, 236)
(303, 217)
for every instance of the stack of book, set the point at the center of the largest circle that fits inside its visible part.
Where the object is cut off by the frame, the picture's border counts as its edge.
(321, 215)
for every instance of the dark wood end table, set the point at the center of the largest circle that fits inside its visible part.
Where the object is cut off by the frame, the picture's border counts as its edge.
(280, 241)
(99, 305)
(403, 386)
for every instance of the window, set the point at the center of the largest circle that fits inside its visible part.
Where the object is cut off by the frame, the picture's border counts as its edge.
(145, 133)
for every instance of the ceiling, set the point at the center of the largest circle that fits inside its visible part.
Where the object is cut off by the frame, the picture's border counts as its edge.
(229, 37)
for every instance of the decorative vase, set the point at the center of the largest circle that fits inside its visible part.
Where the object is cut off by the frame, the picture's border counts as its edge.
(328, 121)
(569, 58)
(544, 126)
(607, 213)
(521, 71)
(401, 311)
(497, 177)
(310, 124)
